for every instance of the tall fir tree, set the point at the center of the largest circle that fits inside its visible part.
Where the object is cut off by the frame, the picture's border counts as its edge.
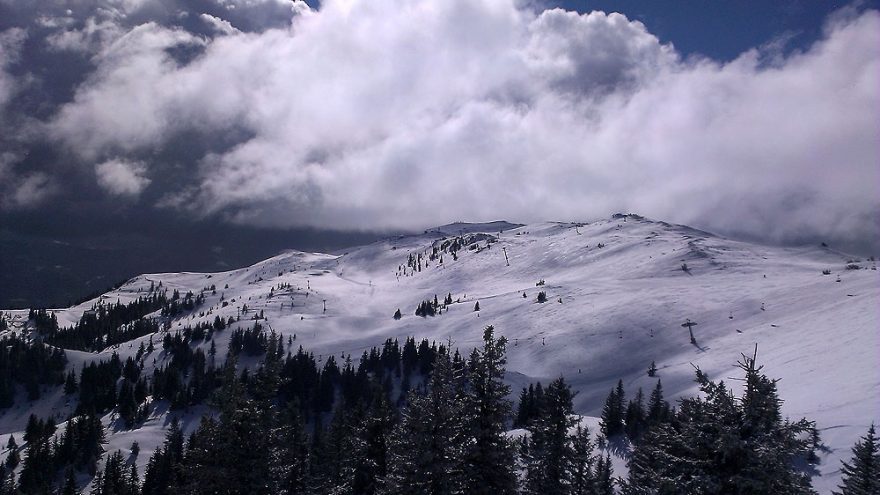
(635, 417)
(604, 476)
(290, 454)
(375, 431)
(658, 408)
(490, 458)
(163, 468)
(583, 473)
(203, 462)
(721, 444)
(429, 444)
(70, 487)
(613, 414)
(861, 475)
(548, 452)
(244, 422)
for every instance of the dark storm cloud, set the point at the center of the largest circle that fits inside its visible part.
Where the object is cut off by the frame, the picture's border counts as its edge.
(402, 114)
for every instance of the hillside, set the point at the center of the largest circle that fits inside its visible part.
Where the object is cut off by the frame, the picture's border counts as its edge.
(617, 292)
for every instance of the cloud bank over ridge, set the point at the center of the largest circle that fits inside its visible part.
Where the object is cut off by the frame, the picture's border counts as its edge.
(404, 114)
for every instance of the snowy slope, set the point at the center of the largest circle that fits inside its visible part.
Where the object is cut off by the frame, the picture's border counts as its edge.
(622, 306)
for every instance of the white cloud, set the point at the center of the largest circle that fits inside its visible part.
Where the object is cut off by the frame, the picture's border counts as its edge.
(30, 191)
(124, 106)
(407, 113)
(11, 41)
(94, 36)
(122, 178)
(219, 25)
(21, 190)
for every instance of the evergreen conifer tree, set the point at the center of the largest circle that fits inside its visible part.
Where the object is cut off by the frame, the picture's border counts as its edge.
(584, 470)
(635, 416)
(861, 475)
(604, 484)
(12, 459)
(490, 457)
(612, 420)
(69, 487)
(549, 454)
(70, 385)
(721, 444)
(428, 446)
(375, 433)
(290, 455)
(525, 406)
(161, 475)
(658, 408)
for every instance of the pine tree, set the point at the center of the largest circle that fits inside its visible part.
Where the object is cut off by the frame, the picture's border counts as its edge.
(375, 433)
(604, 476)
(861, 475)
(717, 443)
(7, 482)
(132, 481)
(490, 457)
(33, 429)
(612, 420)
(658, 409)
(70, 487)
(428, 446)
(290, 456)
(116, 478)
(163, 468)
(583, 473)
(635, 416)
(343, 450)
(315, 479)
(525, 406)
(37, 471)
(244, 424)
(202, 468)
(549, 454)
(12, 459)
(70, 385)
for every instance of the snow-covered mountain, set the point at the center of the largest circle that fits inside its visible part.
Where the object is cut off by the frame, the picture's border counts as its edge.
(617, 292)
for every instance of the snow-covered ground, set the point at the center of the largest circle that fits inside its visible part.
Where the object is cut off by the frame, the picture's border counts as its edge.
(610, 312)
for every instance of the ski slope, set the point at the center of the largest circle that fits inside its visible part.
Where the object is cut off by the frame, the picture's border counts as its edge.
(610, 312)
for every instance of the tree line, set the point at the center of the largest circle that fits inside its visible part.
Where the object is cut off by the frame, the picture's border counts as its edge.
(419, 418)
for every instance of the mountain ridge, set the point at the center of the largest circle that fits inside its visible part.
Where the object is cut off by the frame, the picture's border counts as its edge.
(617, 291)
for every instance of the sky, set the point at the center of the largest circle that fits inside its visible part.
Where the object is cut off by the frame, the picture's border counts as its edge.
(193, 129)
